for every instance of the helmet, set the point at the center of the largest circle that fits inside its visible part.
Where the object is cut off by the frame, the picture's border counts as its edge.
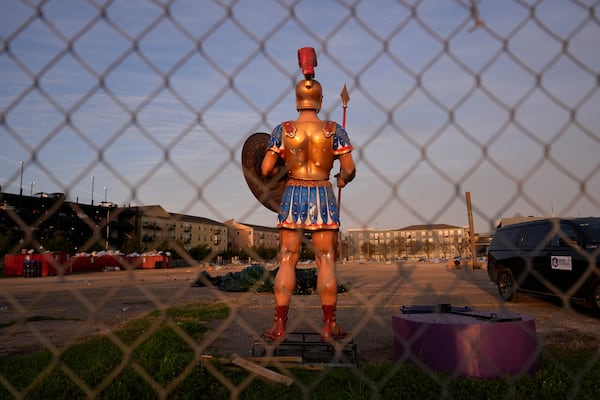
(309, 95)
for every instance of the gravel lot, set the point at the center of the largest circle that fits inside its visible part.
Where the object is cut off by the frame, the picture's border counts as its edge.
(84, 305)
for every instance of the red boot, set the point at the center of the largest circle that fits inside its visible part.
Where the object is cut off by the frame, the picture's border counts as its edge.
(331, 330)
(277, 331)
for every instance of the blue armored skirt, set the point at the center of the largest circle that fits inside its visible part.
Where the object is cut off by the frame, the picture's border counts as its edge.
(308, 205)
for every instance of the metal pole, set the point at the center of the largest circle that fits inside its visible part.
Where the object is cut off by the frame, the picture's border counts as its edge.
(107, 217)
(21, 187)
(471, 231)
(107, 228)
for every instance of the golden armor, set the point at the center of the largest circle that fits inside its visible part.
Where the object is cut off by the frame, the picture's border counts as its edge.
(308, 149)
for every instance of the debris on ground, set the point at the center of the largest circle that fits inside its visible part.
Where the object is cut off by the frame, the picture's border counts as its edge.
(257, 278)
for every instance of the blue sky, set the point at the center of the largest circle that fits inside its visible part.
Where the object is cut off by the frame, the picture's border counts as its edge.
(508, 111)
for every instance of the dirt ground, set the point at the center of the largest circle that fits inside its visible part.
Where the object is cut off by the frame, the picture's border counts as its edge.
(54, 312)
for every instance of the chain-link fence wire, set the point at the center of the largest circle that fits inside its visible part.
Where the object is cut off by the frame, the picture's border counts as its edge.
(510, 90)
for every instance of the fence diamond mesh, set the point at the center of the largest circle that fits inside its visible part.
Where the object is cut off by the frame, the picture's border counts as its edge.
(148, 103)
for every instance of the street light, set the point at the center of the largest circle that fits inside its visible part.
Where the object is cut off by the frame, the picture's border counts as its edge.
(31, 188)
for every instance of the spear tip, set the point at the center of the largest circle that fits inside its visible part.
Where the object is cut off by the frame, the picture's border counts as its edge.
(345, 96)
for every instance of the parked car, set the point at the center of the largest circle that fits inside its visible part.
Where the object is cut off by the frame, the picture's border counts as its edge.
(557, 257)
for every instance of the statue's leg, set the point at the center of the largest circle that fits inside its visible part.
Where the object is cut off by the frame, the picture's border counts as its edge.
(325, 243)
(285, 281)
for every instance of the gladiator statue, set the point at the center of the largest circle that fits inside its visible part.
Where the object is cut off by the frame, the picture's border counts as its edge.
(305, 150)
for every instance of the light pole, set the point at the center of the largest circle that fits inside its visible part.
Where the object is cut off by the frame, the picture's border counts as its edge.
(21, 187)
(31, 188)
(107, 217)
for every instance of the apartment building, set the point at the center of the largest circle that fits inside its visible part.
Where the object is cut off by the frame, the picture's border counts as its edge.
(411, 242)
(157, 225)
(247, 236)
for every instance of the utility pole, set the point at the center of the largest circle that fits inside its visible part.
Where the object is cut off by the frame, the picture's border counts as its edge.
(107, 217)
(471, 231)
(21, 187)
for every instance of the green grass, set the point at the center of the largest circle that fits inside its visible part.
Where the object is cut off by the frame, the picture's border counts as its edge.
(148, 355)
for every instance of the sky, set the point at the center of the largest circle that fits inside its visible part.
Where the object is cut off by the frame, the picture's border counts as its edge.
(143, 102)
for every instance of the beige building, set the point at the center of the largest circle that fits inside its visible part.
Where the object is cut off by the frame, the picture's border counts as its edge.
(156, 225)
(411, 242)
(199, 231)
(247, 236)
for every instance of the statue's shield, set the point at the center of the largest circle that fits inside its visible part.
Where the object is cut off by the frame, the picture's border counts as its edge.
(266, 190)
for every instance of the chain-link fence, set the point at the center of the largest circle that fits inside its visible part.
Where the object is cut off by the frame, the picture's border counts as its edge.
(152, 101)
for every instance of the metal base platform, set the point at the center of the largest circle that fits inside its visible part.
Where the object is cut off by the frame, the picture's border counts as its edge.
(309, 347)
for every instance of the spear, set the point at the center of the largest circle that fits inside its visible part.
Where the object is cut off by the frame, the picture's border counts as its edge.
(345, 99)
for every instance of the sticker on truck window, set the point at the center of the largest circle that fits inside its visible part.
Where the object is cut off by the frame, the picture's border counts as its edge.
(561, 262)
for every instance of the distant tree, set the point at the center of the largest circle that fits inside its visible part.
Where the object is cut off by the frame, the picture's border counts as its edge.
(368, 249)
(200, 252)
(243, 255)
(175, 248)
(132, 245)
(8, 241)
(429, 248)
(307, 253)
(226, 255)
(56, 241)
(267, 253)
(100, 245)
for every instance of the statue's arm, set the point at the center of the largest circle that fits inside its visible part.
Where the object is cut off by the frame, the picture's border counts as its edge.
(347, 170)
(269, 164)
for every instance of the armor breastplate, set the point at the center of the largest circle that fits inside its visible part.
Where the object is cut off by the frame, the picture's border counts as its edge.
(309, 149)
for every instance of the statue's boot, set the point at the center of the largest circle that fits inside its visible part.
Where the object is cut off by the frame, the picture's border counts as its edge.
(277, 331)
(331, 330)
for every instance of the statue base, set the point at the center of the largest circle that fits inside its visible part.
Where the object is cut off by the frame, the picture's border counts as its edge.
(309, 347)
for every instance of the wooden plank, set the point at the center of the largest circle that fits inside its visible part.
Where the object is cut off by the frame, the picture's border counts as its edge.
(275, 359)
(287, 362)
(259, 360)
(261, 371)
